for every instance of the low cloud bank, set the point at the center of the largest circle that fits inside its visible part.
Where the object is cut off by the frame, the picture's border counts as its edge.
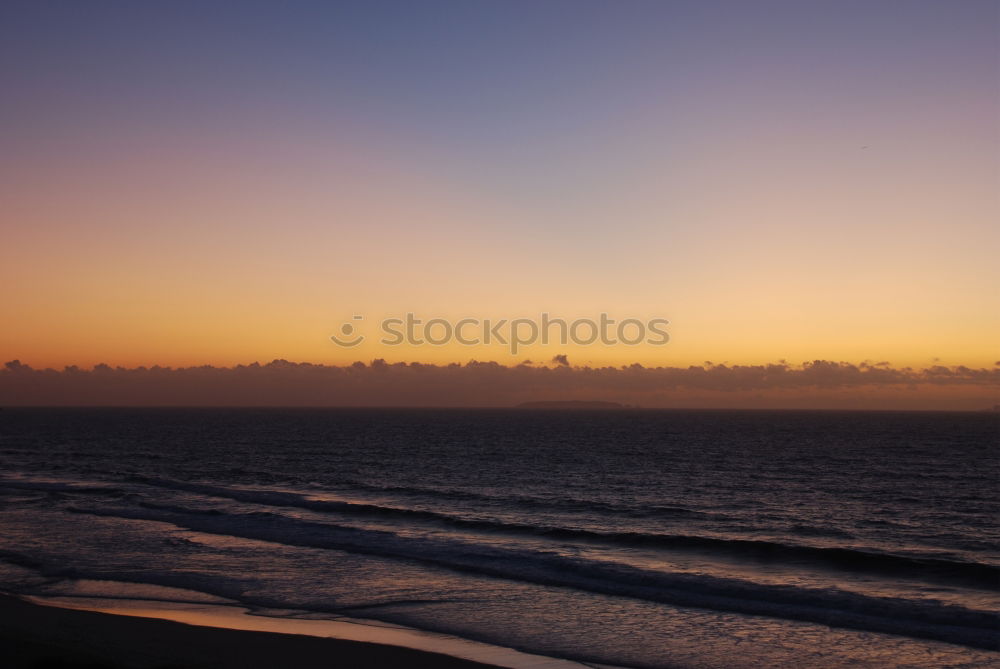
(817, 384)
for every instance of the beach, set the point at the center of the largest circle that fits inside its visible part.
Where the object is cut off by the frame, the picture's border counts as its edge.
(631, 538)
(573, 334)
(49, 637)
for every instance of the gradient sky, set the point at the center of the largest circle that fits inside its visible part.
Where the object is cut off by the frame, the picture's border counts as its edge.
(216, 183)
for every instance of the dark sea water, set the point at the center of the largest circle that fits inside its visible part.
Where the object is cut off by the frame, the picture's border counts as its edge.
(634, 538)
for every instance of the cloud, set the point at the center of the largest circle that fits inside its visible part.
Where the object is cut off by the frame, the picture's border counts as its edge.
(815, 384)
(561, 359)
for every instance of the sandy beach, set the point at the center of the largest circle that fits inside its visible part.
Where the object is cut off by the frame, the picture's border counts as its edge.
(45, 637)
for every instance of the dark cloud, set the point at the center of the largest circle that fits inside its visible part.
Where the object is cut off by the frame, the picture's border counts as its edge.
(561, 359)
(817, 384)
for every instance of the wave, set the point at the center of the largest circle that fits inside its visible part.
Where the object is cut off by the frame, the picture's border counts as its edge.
(854, 559)
(926, 619)
(79, 487)
(521, 501)
(563, 504)
(858, 559)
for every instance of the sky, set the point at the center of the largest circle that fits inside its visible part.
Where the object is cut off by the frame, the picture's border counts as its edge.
(217, 183)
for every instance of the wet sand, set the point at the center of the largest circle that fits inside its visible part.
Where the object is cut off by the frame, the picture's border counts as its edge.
(45, 637)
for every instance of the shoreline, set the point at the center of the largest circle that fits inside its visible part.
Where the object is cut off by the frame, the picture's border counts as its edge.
(47, 634)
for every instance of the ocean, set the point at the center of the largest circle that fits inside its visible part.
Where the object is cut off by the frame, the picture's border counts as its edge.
(631, 538)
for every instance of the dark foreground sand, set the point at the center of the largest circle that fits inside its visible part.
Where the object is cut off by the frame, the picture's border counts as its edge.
(44, 637)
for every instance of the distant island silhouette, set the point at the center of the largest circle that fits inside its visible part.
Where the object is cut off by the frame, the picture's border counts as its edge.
(570, 404)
